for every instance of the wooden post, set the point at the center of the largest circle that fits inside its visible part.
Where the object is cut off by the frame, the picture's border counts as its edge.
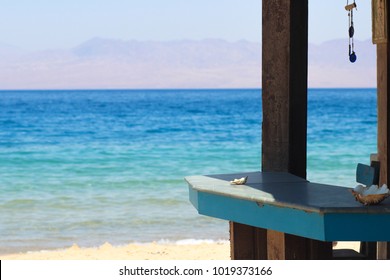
(285, 32)
(380, 27)
(383, 127)
(247, 242)
(285, 43)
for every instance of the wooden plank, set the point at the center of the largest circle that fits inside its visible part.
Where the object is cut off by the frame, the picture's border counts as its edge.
(283, 246)
(260, 243)
(241, 244)
(247, 242)
(382, 250)
(276, 245)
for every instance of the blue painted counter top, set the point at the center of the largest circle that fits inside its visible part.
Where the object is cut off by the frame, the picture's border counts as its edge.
(287, 203)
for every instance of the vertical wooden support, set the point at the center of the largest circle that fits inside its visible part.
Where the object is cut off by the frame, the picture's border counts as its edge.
(285, 43)
(383, 75)
(285, 32)
(282, 246)
(284, 99)
(274, 241)
(383, 113)
(247, 242)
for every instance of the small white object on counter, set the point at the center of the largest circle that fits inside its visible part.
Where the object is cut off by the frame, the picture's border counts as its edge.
(240, 181)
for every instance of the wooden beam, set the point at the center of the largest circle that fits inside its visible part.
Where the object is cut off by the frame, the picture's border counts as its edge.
(285, 35)
(383, 76)
(383, 94)
(276, 245)
(383, 113)
(285, 32)
(285, 51)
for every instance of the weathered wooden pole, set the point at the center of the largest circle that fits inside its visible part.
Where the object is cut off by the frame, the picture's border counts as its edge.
(383, 126)
(380, 29)
(284, 79)
(285, 39)
(285, 52)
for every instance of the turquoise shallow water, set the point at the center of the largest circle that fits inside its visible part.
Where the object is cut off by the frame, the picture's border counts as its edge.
(88, 167)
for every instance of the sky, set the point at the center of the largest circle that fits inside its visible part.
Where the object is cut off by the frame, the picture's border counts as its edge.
(54, 24)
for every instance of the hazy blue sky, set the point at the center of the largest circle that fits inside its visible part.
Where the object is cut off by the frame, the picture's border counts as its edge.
(43, 24)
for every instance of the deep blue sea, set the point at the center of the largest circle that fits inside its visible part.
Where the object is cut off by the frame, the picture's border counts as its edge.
(97, 166)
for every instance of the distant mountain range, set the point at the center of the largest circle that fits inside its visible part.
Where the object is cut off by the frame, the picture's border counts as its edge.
(210, 63)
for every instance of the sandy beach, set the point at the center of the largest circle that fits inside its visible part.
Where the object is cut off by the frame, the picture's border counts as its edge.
(149, 251)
